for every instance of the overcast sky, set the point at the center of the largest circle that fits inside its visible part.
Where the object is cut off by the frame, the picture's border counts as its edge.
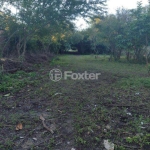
(112, 6)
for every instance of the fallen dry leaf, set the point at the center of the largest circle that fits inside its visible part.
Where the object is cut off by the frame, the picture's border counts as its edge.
(42, 118)
(19, 126)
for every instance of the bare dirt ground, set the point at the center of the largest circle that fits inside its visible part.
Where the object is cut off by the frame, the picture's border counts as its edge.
(77, 114)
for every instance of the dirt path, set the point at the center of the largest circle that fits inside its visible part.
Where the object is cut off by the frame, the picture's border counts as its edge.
(81, 113)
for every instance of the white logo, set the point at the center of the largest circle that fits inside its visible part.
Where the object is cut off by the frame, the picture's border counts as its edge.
(55, 75)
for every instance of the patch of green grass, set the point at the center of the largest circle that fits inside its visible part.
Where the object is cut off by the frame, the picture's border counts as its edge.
(90, 126)
(14, 82)
(140, 140)
(7, 145)
(58, 61)
(134, 82)
(117, 147)
(88, 62)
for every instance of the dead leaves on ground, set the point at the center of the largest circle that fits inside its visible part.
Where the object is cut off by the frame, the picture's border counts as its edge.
(52, 127)
(42, 118)
(19, 126)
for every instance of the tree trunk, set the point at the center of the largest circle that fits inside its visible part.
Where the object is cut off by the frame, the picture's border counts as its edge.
(24, 49)
(18, 47)
(128, 56)
(21, 48)
(111, 55)
(119, 54)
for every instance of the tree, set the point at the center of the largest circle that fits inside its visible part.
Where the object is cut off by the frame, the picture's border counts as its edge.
(128, 31)
(35, 15)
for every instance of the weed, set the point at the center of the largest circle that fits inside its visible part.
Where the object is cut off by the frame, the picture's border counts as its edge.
(140, 140)
(15, 82)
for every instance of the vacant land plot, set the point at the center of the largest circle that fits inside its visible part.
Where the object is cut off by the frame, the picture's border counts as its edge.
(39, 114)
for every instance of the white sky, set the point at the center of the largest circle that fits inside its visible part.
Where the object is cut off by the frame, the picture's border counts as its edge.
(112, 5)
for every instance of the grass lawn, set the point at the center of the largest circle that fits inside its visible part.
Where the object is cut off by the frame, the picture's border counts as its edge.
(81, 113)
